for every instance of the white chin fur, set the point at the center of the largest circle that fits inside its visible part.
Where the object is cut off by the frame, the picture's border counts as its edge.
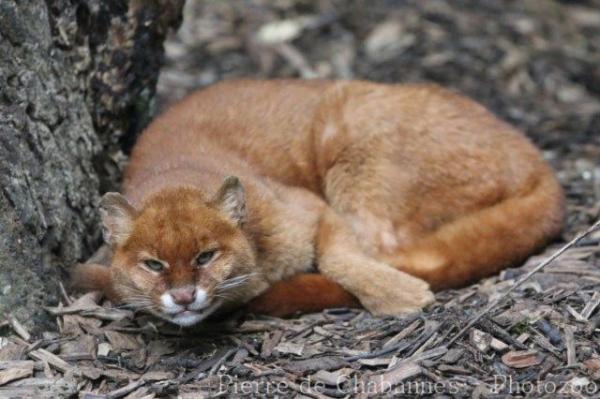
(189, 318)
(199, 300)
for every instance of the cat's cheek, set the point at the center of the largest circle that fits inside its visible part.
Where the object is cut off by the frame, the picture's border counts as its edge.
(145, 281)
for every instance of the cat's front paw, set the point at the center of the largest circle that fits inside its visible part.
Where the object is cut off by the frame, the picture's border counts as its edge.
(398, 294)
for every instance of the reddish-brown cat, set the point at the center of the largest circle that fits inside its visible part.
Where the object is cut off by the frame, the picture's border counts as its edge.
(384, 190)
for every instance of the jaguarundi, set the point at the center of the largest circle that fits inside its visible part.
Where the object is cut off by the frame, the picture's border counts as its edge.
(292, 195)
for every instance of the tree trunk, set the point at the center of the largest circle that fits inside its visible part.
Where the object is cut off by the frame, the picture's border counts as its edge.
(77, 80)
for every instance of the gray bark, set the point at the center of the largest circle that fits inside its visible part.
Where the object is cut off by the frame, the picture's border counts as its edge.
(77, 81)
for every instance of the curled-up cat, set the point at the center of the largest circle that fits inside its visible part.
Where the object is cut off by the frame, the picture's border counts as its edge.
(346, 193)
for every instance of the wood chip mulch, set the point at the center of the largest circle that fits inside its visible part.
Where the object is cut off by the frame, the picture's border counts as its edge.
(535, 63)
(545, 338)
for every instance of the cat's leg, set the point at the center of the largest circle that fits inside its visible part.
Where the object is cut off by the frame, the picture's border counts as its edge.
(94, 277)
(448, 240)
(449, 196)
(313, 227)
(95, 274)
(485, 241)
(380, 288)
(447, 226)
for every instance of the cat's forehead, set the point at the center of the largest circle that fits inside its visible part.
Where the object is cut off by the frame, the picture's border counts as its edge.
(178, 210)
(178, 231)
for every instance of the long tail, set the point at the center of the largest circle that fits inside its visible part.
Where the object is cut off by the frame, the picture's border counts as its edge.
(484, 242)
(304, 293)
(460, 252)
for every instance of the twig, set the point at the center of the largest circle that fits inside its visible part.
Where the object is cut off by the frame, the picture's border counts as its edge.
(526, 277)
(64, 294)
(19, 329)
(117, 393)
(221, 361)
(591, 306)
(570, 344)
(296, 59)
(501, 333)
(399, 347)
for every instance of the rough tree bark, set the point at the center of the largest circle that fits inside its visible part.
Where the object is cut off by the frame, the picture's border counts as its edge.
(77, 80)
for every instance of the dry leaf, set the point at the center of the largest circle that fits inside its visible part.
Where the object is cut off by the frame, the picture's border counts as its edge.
(120, 341)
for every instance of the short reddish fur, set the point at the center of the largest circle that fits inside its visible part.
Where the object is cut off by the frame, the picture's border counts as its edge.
(304, 293)
(352, 176)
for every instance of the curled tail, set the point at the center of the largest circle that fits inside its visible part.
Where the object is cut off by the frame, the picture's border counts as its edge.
(482, 243)
(304, 293)
(462, 251)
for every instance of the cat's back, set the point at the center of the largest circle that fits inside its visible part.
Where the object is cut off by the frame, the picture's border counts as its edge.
(266, 124)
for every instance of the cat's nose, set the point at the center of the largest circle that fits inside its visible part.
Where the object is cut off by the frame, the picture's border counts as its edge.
(183, 295)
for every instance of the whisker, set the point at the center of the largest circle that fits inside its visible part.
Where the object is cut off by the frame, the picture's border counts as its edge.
(233, 282)
(223, 296)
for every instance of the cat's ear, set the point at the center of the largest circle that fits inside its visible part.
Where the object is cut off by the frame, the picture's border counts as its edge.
(117, 218)
(231, 200)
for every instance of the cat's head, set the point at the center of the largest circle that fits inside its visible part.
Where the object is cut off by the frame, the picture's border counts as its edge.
(180, 256)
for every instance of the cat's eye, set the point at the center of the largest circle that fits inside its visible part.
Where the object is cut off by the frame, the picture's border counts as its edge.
(154, 265)
(205, 257)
